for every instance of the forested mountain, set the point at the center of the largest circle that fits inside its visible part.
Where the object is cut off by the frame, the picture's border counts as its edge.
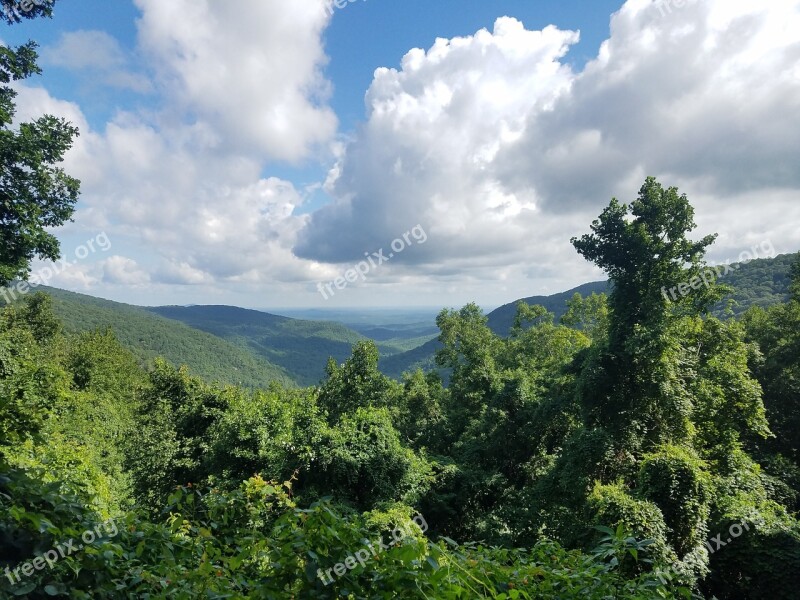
(252, 348)
(761, 282)
(148, 336)
(300, 347)
(501, 319)
(222, 343)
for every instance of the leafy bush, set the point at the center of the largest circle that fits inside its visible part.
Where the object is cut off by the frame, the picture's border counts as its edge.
(254, 542)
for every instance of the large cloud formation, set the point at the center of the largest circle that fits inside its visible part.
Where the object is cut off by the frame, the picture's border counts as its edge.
(490, 142)
(503, 152)
(182, 182)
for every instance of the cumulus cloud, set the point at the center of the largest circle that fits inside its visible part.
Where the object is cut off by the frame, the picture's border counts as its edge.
(210, 217)
(251, 70)
(701, 95)
(185, 183)
(433, 132)
(504, 153)
(97, 54)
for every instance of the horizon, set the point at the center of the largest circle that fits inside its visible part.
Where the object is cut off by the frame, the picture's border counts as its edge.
(11, 294)
(435, 162)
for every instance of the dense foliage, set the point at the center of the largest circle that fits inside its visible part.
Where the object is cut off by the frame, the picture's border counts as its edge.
(648, 419)
(638, 448)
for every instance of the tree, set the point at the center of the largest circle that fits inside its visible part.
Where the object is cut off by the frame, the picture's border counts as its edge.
(35, 193)
(589, 314)
(356, 384)
(634, 387)
(648, 255)
(38, 313)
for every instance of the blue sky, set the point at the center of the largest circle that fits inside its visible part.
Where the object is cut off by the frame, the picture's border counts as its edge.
(253, 152)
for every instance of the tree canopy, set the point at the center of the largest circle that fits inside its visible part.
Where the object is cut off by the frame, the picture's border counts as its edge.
(35, 193)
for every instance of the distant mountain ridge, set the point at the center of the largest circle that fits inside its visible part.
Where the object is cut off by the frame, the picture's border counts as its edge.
(501, 319)
(149, 335)
(251, 348)
(761, 282)
(299, 347)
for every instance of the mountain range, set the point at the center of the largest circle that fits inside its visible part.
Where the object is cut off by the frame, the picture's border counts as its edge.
(247, 347)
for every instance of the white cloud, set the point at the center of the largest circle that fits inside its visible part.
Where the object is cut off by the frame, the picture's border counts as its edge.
(503, 153)
(123, 271)
(250, 70)
(426, 153)
(190, 193)
(699, 96)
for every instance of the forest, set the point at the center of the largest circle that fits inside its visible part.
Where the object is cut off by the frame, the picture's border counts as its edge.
(635, 447)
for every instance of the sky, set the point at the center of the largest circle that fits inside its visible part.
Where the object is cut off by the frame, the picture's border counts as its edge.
(295, 153)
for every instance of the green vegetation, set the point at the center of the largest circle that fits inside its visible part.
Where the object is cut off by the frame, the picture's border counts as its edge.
(627, 451)
(221, 343)
(763, 282)
(299, 347)
(638, 448)
(251, 348)
(149, 336)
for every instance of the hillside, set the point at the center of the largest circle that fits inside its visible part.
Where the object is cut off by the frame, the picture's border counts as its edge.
(762, 282)
(148, 336)
(502, 318)
(252, 348)
(299, 347)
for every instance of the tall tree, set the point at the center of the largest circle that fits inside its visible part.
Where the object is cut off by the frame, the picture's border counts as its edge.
(633, 388)
(35, 193)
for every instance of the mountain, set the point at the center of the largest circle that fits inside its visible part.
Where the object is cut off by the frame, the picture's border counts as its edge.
(761, 282)
(299, 347)
(394, 329)
(149, 335)
(501, 319)
(252, 348)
